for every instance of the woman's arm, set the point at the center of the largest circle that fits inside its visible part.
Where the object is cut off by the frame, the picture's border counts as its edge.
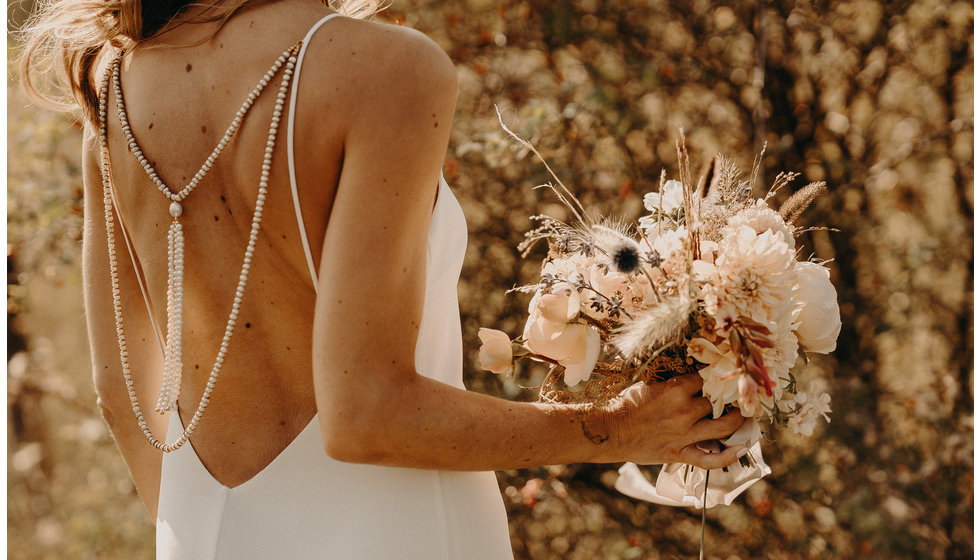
(143, 461)
(373, 406)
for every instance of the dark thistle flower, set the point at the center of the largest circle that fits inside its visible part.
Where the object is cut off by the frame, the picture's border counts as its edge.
(653, 258)
(547, 281)
(743, 192)
(626, 258)
(615, 304)
(564, 244)
(597, 303)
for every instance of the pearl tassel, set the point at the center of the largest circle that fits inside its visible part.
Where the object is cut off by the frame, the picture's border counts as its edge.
(173, 363)
(173, 359)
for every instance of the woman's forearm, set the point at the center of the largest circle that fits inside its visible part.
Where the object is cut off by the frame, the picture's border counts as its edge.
(427, 424)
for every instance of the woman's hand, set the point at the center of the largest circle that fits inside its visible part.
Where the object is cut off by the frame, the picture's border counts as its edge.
(662, 422)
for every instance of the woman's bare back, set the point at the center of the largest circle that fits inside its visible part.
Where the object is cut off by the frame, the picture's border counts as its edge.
(180, 102)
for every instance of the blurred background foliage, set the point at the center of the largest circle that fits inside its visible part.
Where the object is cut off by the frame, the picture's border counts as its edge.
(874, 97)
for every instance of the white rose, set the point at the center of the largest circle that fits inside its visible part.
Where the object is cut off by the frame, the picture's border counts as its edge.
(817, 322)
(496, 352)
(549, 313)
(606, 282)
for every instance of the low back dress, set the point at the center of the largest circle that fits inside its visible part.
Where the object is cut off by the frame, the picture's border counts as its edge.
(305, 505)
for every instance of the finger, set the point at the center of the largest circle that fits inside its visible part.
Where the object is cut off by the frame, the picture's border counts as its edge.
(689, 383)
(719, 428)
(694, 456)
(702, 407)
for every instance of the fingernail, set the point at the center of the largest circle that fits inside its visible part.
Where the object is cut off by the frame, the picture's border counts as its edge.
(741, 452)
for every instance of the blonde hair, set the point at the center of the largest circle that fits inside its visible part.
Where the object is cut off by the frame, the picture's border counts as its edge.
(64, 40)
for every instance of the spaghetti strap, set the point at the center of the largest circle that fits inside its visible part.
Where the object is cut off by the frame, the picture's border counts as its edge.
(290, 132)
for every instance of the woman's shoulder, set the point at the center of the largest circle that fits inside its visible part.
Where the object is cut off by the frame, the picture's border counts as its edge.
(376, 62)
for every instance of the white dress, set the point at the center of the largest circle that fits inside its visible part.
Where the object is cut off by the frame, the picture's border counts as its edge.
(305, 505)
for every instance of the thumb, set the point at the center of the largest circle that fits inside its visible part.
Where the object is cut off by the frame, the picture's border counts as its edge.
(694, 456)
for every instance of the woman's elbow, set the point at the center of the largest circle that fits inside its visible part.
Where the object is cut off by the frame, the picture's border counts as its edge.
(110, 400)
(353, 441)
(363, 422)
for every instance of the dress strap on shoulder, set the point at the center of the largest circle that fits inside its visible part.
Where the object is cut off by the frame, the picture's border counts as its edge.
(290, 133)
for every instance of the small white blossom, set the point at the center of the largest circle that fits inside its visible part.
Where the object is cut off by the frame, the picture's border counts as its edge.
(812, 407)
(670, 198)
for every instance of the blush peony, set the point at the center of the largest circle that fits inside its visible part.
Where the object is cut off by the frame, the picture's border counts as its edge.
(549, 332)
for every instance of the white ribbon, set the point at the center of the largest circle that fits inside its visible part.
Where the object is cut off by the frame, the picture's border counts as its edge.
(682, 485)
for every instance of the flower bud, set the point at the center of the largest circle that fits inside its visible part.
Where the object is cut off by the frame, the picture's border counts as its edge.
(496, 353)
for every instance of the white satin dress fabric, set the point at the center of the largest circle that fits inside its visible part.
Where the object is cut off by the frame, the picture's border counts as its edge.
(305, 505)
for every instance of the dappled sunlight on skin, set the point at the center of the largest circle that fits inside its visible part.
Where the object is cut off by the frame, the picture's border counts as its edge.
(875, 98)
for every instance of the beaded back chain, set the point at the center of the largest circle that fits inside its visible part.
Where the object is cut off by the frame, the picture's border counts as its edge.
(173, 357)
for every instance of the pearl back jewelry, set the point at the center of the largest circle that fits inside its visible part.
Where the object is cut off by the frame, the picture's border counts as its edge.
(173, 355)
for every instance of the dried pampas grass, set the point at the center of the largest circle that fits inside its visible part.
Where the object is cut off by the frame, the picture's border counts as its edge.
(663, 324)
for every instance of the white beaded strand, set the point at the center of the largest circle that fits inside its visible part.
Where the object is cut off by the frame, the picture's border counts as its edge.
(173, 362)
(134, 147)
(173, 353)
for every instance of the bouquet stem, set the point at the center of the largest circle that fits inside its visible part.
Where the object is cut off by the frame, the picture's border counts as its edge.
(704, 511)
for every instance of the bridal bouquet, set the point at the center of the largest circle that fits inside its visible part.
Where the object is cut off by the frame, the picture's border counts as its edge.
(710, 280)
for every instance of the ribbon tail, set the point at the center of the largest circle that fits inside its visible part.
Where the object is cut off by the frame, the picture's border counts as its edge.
(632, 483)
